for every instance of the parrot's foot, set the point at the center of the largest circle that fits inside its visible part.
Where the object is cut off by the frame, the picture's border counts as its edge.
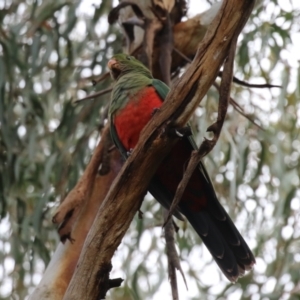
(180, 132)
(129, 152)
(154, 111)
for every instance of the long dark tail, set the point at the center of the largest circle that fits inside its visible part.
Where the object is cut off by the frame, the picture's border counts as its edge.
(203, 210)
(201, 207)
(222, 239)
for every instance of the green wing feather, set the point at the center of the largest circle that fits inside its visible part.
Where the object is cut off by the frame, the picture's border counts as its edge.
(116, 140)
(161, 88)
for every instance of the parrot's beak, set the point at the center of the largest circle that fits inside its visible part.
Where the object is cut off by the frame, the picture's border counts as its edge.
(111, 62)
(114, 68)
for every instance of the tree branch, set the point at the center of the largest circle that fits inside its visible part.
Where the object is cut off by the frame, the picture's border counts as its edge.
(173, 258)
(127, 192)
(238, 108)
(94, 95)
(63, 263)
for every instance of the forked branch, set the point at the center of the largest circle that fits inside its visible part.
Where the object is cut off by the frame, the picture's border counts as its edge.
(173, 258)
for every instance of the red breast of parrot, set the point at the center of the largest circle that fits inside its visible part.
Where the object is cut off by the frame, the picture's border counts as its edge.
(135, 97)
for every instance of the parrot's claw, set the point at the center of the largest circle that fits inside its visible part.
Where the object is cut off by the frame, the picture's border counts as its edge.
(181, 132)
(128, 153)
(178, 133)
(155, 110)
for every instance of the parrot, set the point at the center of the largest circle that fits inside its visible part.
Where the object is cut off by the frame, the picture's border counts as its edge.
(135, 96)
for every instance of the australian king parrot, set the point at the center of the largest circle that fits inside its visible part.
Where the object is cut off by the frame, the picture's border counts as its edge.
(135, 96)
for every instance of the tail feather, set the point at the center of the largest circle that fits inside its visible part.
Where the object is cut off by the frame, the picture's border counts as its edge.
(201, 207)
(237, 243)
(223, 241)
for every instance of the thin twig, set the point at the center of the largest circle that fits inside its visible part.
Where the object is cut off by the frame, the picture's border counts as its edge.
(238, 108)
(182, 55)
(234, 79)
(173, 258)
(100, 93)
(235, 105)
(251, 85)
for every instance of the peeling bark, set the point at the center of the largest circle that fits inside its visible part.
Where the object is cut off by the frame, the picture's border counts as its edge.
(63, 263)
(68, 211)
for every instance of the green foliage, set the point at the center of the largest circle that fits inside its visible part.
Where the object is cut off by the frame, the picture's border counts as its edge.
(50, 52)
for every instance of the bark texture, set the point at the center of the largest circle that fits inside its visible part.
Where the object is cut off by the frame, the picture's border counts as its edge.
(59, 272)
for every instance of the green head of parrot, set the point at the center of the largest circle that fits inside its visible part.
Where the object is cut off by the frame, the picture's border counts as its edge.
(121, 64)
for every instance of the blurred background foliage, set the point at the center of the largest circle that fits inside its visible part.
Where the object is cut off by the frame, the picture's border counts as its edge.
(50, 53)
